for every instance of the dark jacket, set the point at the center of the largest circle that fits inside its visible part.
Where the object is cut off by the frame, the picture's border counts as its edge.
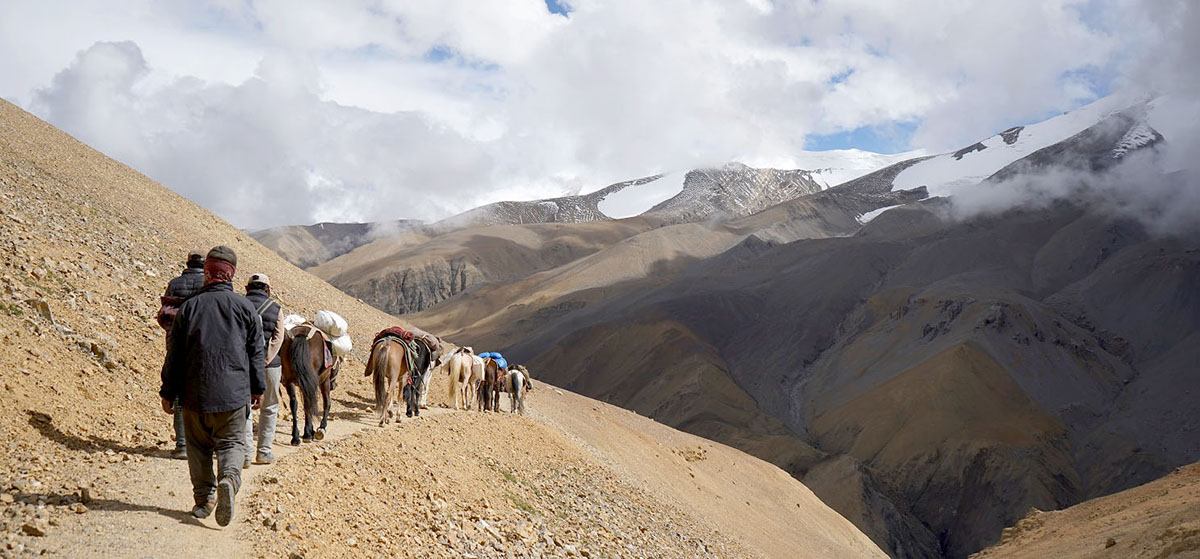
(179, 289)
(187, 284)
(270, 322)
(215, 357)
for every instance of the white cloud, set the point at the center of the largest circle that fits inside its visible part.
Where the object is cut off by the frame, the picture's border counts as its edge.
(272, 112)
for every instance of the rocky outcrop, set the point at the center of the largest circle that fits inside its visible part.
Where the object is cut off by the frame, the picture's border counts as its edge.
(734, 190)
(417, 288)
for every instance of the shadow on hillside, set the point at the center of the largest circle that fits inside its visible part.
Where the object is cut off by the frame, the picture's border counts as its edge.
(45, 425)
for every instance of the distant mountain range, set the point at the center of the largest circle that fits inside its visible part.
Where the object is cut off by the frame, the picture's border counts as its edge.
(931, 376)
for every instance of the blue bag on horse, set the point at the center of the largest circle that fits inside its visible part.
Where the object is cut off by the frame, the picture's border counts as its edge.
(495, 356)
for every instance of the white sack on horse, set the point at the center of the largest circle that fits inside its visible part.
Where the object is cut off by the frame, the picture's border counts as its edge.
(331, 323)
(341, 346)
(291, 321)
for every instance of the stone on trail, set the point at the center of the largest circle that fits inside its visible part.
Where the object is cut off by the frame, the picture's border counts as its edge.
(34, 529)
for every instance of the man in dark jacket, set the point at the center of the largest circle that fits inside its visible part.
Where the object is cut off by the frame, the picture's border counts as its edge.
(258, 291)
(178, 290)
(214, 366)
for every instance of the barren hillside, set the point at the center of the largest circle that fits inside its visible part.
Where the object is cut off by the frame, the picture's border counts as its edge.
(88, 245)
(1158, 519)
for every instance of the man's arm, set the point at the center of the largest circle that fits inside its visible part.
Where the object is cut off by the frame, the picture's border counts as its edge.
(276, 338)
(174, 360)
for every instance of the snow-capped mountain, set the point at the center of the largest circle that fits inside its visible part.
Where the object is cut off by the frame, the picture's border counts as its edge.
(732, 190)
(945, 173)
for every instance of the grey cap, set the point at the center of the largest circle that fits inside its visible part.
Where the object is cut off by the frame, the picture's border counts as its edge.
(260, 278)
(223, 253)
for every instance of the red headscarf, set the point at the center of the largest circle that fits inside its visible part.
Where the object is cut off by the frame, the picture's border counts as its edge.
(217, 270)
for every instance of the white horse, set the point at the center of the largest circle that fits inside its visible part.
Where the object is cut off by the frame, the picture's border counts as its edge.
(514, 384)
(459, 366)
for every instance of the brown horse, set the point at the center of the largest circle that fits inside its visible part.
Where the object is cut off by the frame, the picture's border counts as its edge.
(391, 368)
(303, 357)
(491, 386)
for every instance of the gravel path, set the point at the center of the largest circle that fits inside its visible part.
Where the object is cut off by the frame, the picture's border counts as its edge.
(151, 516)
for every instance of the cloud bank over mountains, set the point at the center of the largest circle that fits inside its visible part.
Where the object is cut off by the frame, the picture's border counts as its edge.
(271, 112)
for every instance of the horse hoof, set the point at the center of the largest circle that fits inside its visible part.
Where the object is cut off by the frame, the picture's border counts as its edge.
(295, 442)
(319, 435)
(307, 439)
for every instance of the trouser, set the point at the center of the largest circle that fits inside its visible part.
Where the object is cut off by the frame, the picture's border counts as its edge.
(268, 414)
(221, 432)
(180, 436)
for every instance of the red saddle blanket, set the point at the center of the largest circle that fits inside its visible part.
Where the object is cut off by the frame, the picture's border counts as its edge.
(393, 332)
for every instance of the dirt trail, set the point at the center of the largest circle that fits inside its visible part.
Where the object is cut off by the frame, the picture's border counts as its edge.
(151, 517)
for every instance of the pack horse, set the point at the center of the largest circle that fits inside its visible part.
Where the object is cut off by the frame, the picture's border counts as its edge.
(398, 360)
(308, 363)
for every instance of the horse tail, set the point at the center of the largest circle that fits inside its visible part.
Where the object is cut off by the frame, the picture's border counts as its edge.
(306, 377)
(379, 360)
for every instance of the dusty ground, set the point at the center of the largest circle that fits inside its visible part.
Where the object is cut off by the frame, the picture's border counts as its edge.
(1156, 520)
(86, 246)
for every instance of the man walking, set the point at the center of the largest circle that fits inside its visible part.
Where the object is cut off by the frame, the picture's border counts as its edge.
(214, 366)
(258, 291)
(178, 290)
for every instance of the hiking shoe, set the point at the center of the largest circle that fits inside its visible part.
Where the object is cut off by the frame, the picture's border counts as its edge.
(225, 494)
(180, 453)
(202, 511)
(267, 458)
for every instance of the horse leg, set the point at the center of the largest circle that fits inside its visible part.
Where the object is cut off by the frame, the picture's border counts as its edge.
(387, 394)
(308, 421)
(416, 405)
(410, 398)
(291, 392)
(320, 434)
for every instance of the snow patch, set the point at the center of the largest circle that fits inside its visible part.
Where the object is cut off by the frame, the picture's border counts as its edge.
(637, 199)
(944, 174)
(864, 218)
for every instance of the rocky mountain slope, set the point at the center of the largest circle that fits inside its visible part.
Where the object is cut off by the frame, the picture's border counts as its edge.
(87, 246)
(931, 377)
(734, 189)
(415, 272)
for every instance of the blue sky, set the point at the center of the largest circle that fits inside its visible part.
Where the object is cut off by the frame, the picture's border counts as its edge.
(557, 7)
(891, 138)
